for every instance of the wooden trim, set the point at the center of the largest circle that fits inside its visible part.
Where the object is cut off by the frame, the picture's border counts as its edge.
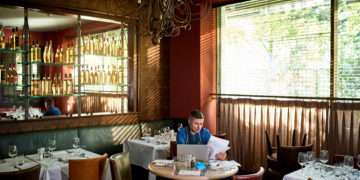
(8, 127)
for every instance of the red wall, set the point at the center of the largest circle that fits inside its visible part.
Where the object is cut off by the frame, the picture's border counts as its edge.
(193, 68)
(185, 72)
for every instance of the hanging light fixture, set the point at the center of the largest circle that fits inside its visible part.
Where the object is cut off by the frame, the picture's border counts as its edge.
(165, 18)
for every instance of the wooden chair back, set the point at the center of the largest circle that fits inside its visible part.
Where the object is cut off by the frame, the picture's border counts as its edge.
(89, 169)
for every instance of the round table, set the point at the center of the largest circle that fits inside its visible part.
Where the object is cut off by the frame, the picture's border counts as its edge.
(169, 172)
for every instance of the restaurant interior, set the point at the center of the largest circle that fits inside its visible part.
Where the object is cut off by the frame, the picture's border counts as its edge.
(179, 89)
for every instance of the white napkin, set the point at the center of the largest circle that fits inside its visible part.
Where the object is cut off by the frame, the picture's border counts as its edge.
(26, 165)
(163, 162)
(186, 172)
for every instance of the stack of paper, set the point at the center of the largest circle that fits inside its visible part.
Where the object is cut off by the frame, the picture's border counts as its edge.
(186, 172)
(217, 145)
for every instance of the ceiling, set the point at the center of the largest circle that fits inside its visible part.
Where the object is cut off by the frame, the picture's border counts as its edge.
(38, 21)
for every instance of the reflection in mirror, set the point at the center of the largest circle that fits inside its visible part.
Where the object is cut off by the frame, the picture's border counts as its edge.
(103, 66)
(74, 65)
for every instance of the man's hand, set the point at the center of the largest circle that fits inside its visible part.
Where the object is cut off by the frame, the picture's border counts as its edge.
(221, 156)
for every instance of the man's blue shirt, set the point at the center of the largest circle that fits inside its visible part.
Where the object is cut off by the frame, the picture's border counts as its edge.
(184, 136)
(53, 111)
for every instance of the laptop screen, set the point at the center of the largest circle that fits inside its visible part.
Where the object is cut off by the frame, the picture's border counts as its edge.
(200, 151)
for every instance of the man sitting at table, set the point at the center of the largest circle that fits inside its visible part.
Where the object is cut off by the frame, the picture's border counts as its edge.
(195, 133)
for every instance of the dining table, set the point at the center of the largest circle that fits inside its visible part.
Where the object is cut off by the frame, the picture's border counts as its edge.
(146, 149)
(227, 169)
(55, 166)
(319, 171)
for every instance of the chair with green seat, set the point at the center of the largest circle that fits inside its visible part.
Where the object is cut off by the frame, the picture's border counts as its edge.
(120, 166)
(32, 173)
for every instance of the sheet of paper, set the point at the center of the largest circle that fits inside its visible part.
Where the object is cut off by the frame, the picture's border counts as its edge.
(217, 145)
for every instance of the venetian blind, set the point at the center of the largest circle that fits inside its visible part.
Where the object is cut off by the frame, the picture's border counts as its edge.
(275, 48)
(347, 71)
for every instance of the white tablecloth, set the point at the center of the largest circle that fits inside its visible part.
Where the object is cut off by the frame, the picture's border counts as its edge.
(142, 153)
(323, 172)
(9, 165)
(57, 167)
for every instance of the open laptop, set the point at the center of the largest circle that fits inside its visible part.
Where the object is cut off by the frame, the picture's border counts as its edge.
(200, 151)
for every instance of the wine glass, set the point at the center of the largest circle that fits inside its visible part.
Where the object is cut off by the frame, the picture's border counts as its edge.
(324, 156)
(302, 160)
(51, 145)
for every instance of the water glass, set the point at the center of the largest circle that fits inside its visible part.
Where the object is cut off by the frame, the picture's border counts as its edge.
(76, 143)
(324, 156)
(52, 145)
(310, 158)
(12, 151)
(348, 162)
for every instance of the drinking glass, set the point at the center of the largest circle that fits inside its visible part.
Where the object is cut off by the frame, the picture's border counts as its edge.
(302, 160)
(310, 158)
(348, 162)
(76, 143)
(12, 151)
(52, 145)
(324, 156)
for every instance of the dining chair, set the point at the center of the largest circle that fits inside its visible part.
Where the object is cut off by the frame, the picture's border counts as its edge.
(89, 169)
(288, 158)
(255, 176)
(337, 158)
(120, 166)
(32, 173)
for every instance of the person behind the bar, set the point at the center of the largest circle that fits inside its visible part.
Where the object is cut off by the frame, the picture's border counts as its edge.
(195, 133)
(51, 109)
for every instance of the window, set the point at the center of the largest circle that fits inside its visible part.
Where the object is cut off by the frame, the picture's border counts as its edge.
(283, 48)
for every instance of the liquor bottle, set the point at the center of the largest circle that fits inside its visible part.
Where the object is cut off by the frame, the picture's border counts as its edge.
(45, 56)
(58, 85)
(91, 46)
(2, 40)
(32, 52)
(12, 39)
(36, 85)
(2, 75)
(108, 76)
(32, 87)
(82, 74)
(15, 75)
(91, 76)
(64, 85)
(69, 85)
(38, 52)
(61, 55)
(71, 55)
(101, 75)
(86, 75)
(53, 85)
(56, 59)
(113, 75)
(120, 75)
(50, 53)
(67, 55)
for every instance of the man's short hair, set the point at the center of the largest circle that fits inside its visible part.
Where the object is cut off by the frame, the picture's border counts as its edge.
(197, 114)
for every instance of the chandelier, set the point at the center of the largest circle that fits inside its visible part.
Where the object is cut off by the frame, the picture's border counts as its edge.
(165, 18)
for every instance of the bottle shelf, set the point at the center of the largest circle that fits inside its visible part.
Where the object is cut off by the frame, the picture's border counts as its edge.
(12, 85)
(51, 96)
(8, 50)
(52, 64)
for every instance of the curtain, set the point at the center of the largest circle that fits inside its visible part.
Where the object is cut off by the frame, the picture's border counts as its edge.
(328, 125)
